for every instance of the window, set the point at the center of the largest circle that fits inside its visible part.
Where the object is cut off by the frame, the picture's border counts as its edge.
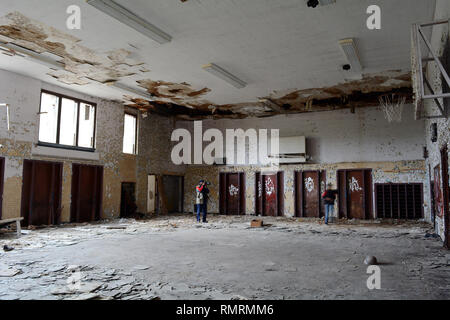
(129, 134)
(66, 122)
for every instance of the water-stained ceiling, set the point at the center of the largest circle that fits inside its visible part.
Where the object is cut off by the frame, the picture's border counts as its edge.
(287, 53)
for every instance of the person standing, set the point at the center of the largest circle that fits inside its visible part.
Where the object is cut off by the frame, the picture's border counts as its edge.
(200, 199)
(329, 197)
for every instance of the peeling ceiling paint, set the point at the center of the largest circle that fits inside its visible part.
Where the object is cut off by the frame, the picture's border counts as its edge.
(349, 94)
(83, 66)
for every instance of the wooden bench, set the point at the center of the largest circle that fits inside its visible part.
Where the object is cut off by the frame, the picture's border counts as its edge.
(16, 220)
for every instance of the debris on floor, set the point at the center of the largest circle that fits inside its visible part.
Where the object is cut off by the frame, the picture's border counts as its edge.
(256, 223)
(7, 248)
(149, 259)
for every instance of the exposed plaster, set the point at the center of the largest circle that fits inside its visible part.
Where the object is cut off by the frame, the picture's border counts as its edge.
(83, 66)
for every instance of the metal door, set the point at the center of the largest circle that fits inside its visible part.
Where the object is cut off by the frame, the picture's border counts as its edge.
(311, 189)
(41, 192)
(270, 195)
(233, 192)
(87, 193)
(356, 194)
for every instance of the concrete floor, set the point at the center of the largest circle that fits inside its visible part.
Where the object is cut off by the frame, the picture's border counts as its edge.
(175, 258)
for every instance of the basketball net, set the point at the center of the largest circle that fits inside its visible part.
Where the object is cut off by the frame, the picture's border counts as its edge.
(392, 106)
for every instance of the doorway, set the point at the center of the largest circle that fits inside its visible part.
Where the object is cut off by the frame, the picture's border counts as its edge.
(41, 192)
(128, 205)
(269, 194)
(2, 177)
(152, 194)
(309, 185)
(355, 193)
(232, 193)
(173, 187)
(87, 193)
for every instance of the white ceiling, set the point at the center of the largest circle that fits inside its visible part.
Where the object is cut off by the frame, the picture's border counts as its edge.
(270, 44)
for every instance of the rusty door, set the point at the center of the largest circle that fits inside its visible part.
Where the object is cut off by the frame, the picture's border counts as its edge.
(308, 188)
(355, 189)
(270, 194)
(258, 193)
(438, 192)
(322, 188)
(355, 193)
(2, 176)
(41, 192)
(232, 193)
(311, 189)
(87, 193)
(446, 196)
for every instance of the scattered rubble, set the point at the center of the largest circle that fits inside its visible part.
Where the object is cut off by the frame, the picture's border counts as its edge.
(25, 276)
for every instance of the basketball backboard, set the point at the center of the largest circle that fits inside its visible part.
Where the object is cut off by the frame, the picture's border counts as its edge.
(422, 88)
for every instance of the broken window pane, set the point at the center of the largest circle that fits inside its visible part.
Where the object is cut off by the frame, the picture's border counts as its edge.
(87, 124)
(48, 124)
(129, 134)
(68, 129)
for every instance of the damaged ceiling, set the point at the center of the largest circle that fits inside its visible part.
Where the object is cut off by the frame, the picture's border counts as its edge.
(287, 53)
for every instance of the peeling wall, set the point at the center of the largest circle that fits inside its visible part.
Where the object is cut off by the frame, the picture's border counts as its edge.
(440, 40)
(23, 95)
(335, 140)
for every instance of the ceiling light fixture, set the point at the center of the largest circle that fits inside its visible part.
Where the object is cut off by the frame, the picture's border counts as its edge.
(127, 17)
(131, 90)
(225, 75)
(29, 54)
(326, 2)
(350, 51)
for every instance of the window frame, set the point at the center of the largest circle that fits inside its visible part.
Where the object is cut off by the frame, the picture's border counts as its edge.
(135, 133)
(58, 125)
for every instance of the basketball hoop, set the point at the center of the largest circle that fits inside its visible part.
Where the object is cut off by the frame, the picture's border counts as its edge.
(392, 106)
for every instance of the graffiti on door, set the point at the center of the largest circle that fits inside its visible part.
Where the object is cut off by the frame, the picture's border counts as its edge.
(234, 191)
(309, 184)
(270, 187)
(259, 189)
(354, 185)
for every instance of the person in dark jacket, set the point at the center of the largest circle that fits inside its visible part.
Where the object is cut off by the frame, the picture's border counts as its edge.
(329, 197)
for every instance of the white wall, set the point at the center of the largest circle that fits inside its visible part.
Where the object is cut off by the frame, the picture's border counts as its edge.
(340, 136)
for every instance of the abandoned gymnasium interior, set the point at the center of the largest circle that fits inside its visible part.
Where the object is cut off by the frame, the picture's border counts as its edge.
(224, 150)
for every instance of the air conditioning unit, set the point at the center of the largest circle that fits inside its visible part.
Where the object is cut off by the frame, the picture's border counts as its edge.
(220, 161)
(291, 150)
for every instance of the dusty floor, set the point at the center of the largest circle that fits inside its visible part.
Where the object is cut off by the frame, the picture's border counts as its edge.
(175, 258)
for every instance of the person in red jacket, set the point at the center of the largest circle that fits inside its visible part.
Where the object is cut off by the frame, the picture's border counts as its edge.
(201, 199)
(329, 197)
